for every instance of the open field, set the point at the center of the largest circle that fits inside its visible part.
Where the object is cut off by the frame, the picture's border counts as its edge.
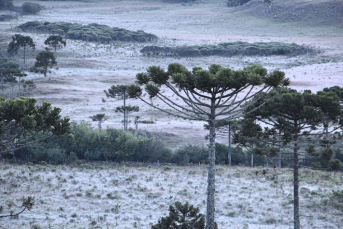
(110, 196)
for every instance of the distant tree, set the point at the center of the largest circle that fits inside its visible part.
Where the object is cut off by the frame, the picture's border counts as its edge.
(100, 118)
(6, 4)
(44, 60)
(18, 41)
(229, 127)
(119, 92)
(182, 216)
(209, 95)
(22, 123)
(31, 8)
(8, 71)
(126, 110)
(248, 135)
(55, 42)
(9, 75)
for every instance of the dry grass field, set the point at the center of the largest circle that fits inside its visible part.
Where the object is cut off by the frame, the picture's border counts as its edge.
(110, 196)
(125, 197)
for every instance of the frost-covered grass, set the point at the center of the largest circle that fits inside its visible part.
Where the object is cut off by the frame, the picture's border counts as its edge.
(110, 196)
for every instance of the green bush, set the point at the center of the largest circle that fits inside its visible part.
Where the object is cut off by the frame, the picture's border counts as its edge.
(93, 32)
(182, 216)
(31, 8)
(231, 49)
(335, 164)
(336, 199)
(86, 143)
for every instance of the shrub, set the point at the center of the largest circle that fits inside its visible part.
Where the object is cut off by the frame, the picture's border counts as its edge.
(93, 32)
(181, 216)
(85, 142)
(31, 8)
(335, 164)
(231, 49)
(336, 199)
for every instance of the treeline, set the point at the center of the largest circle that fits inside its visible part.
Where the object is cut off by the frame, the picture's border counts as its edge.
(93, 32)
(85, 143)
(231, 49)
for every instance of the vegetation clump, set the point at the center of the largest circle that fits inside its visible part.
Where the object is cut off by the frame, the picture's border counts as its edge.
(182, 216)
(6, 4)
(231, 49)
(31, 8)
(93, 32)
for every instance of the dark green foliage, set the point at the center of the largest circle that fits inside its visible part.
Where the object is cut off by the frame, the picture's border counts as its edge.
(83, 142)
(55, 42)
(44, 60)
(232, 3)
(182, 216)
(231, 49)
(5, 63)
(21, 121)
(6, 4)
(196, 154)
(99, 118)
(31, 8)
(190, 154)
(335, 164)
(9, 70)
(336, 199)
(92, 32)
(18, 41)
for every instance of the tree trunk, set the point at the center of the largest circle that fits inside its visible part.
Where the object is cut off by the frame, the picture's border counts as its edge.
(279, 156)
(296, 178)
(24, 54)
(229, 154)
(19, 85)
(125, 115)
(252, 160)
(211, 173)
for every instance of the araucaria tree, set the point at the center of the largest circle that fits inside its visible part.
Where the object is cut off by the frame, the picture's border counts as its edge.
(55, 42)
(23, 122)
(298, 116)
(18, 41)
(119, 92)
(208, 95)
(126, 110)
(100, 118)
(44, 60)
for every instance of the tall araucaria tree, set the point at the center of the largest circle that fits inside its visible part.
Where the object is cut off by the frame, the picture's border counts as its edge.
(119, 92)
(18, 41)
(299, 115)
(207, 95)
(56, 42)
